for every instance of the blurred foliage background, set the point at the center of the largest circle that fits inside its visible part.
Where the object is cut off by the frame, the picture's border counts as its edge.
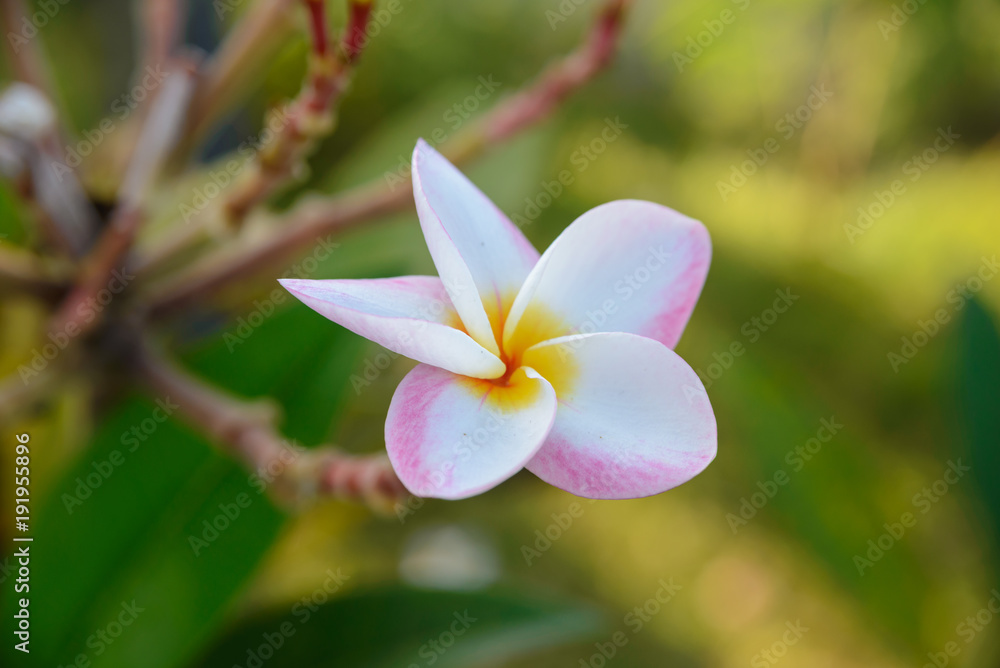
(698, 89)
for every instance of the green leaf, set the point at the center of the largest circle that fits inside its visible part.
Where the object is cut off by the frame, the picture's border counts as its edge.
(295, 356)
(979, 397)
(12, 228)
(777, 416)
(403, 627)
(173, 526)
(115, 536)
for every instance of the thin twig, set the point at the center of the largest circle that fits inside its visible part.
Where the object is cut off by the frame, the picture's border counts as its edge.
(175, 245)
(25, 271)
(555, 83)
(159, 27)
(29, 133)
(68, 219)
(250, 254)
(108, 256)
(315, 218)
(246, 430)
(307, 118)
(235, 64)
(28, 62)
(20, 392)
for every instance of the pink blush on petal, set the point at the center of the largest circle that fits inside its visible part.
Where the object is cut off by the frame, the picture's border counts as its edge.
(451, 437)
(415, 414)
(603, 477)
(675, 311)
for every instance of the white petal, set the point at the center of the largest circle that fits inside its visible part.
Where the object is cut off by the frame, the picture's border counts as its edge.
(626, 266)
(410, 315)
(481, 256)
(633, 419)
(451, 437)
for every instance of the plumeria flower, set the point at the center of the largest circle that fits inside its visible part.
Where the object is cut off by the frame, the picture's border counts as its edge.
(562, 364)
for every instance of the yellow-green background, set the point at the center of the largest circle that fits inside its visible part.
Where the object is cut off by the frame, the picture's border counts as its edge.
(827, 356)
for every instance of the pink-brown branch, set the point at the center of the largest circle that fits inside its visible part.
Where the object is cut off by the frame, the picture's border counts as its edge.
(246, 430)
(25, 54)
(26, 271)
(76, 315)
(234, 66)
(162, 22)
(313, 219)
(308, 117)
(560, 80)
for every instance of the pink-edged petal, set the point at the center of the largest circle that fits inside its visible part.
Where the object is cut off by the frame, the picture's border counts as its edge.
(481, 255)
(410, 315)
(633, 419)
(450, 437)
(626, 266)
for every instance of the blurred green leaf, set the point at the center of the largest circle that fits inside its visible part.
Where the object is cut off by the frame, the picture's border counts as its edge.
(830, 502)
(775, 397)
(12, 228)
(979, 398)
(404, 627)
(114, 575)
(293, 354)
(139, 527)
